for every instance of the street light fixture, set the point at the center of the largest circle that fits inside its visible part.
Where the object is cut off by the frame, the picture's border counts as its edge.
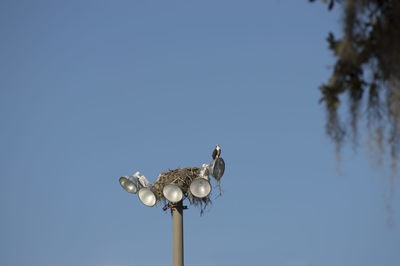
(172, 193)
(200, 187)
(191, 183)
(129, 183)
(147, 197)
(217, 168)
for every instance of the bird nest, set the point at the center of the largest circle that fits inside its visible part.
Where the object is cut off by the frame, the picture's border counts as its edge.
(182, 177)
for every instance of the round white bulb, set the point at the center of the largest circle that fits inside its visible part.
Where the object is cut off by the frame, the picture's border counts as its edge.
(129, 184)
(172, 193)
(200, 187)
(147, 197)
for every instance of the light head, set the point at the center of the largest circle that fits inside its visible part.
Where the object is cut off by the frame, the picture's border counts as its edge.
(147, 197)
(217, 168)
(200, 187)
(173, 193)
(129, 183)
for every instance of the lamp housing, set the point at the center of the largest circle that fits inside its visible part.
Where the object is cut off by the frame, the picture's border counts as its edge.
(217, 168)
(129, 183)
(147, 197)
(173, 193)
(200, 187)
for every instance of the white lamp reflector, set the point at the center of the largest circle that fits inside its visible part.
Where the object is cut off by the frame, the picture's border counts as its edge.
(200, 187)
(217, 168)
(147, 197)
(172, 193)
(129, 183)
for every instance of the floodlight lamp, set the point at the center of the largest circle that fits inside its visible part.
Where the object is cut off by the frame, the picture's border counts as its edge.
(173, 193)
(200, 187)
(217, 168)
(129, 183)
(147, 197)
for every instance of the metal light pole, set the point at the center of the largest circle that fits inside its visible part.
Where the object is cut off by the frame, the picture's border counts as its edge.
(177, 234)
(174, 186)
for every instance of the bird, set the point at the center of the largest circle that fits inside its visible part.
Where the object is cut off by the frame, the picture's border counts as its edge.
(217, 152)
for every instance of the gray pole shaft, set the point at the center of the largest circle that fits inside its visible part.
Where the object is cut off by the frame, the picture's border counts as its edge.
(177, 235)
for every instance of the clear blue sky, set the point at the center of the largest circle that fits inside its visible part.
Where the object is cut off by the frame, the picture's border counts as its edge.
(92, 90)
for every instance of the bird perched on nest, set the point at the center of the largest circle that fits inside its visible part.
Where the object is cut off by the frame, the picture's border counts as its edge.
(217, 152)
